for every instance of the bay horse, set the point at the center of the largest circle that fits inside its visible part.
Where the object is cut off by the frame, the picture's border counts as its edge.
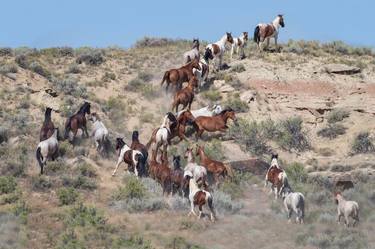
(193, 53)
(239, 45)
(347, 209)
(198, 172)
(199, 197)
(133, 158)
(161, 171)
(214, 123)
(265, 31)
(78, 121)
(185, 96)
(99, 132)
(218, 48)
(180, 75)
(47, 149)
(276, 176)
(48, 128)
(216, 168)
(202, 75)
(137, 145)
(177, 176)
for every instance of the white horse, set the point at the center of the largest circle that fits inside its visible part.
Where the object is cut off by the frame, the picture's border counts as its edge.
(99, 132)
(193, 53)
(199, 172)
(267, 31)
(199, 197)
(239, 44)
(347, 209)
(206, 111)
(293, 202)
(48, 148)
(202, 74)
(218, 48)
(134, 158)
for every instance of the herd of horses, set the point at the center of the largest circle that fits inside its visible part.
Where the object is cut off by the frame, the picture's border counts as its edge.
(190, 181)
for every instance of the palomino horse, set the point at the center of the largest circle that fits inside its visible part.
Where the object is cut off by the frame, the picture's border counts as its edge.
(78, 121)
(185, 96)
(267, 31)
(99, 132)
(216, 168)
(207, 111)
(202, 75)
(48, 128)
(347, 209)
(276, 176)
(199, 197)
(180, 75)
(239, 44)
(199, 172)
(48, 148)
(177, 176)
(214, 123)
(193, 53)
(137, 145)
(133, 158)
(293, 202)
(218, 48)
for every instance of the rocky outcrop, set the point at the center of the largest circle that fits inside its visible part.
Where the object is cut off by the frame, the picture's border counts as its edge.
(341, 69)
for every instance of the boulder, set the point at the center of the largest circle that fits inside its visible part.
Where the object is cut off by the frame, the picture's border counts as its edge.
(218, 83)
(341, 69)
(248, 96)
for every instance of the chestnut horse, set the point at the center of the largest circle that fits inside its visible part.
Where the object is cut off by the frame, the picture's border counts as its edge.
(216, 168)
(214, 123)
(78, 121)
(48, 128)
(180, 75)
(185, 96)
(267, 31)
(276, 176)
(163, 174)
(137, 145)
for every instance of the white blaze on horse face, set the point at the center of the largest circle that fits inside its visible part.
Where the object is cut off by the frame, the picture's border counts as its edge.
(274, 163)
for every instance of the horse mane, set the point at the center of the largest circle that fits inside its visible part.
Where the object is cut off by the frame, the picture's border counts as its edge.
(120, 142)
(135, 136)
(229, 109)
(83, 108)
(47, 114)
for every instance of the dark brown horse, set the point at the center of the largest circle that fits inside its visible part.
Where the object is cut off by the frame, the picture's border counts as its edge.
(185, 96)
(78, 121)
(177, 177)
(163, 174)
(180, 75)
(214, 123)
(137, 145)
(48, 127)
(216, 168)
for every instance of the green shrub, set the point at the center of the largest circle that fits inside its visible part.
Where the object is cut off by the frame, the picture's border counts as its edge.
(69, 240)
(8, 68)
(85, 169)
(212, 95)
(133, 189)
(214, 150)
(236, 104)
(181, 243)
(67, 196)
(108, 76)
(81, 182)
(332, 131)
(4, 131)
(238, 68)
(22, 61)
(58, 51)
(81, 215)
(363, 144)
(337, 115)
(73, 69)
(39, 69)
(296, 172)
(8, 184)
(291, 135)
(40, 183)
(145, 76)
(91, 57)
(70, 86)
(21, 210)
(6, 51)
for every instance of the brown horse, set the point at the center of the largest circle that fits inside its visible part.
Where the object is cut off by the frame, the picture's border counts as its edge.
(185, 96)
(177, 177)
(180, 75)
(48, 128)
(216, 168)
(214, 123)
(276, 176)
(78, 121)
(163, 174)
(136, 145)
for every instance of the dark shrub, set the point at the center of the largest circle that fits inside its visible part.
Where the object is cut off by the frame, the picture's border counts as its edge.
(92, 58)
(332, 131)
(67, 196)
(8, 184)
(337, 115)
(6, 51)
(363, 144)
(291, 135)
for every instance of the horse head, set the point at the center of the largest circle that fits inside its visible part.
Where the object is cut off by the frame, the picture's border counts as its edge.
(135, 136)
(198, 150)
(188, 152)
(195, 64)
(119, 143)
(337, 196)
(229, 37)
(193, 82)
(230, 113)
(245, 36)
(47, 114)
(281, 20)
(176, 162)
(208, 54)
(216, 109)
(93, 117)
(195, 43)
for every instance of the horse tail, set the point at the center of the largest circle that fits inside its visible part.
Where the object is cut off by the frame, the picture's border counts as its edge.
(150, 141)
(211, 204)
(229, 170)
(165, 77)
(67, 127)
(256, 34)
(39, 158)
(301, 210)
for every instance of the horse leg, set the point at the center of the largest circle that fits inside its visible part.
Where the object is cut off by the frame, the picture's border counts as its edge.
(220, 61)
(119, 161)
(346, 220)
(338, 217)
(277, 49)
(85, 129)
(200, 212)
(267, 42)
(231, 52)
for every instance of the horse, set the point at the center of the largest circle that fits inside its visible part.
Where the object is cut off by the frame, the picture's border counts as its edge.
(347, 209)
(267, 31)
(293, 202)
(193, 53)
(239, 44)
(216, 168)
(199, 197)
(214, 123)
(218, 48)
(163, 174)
(207, 111)
(180, 75)
(48, 127)
(137, 145)
(177, 176)
(46, 149)
(185, 96)
(78, 121)
(199, 172)
(276, 176)
(99, 132)
(133, 158)
(202, 74)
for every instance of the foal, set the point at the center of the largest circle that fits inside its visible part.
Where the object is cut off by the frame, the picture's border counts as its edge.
(99, 132)
(180, 75)
(267, 31)
(48, 148)
(48, 127)
(185, 96)
(78, 121)
(218, 48)
(193, 53)
(239, 44)
(133, 158)
(347, 209)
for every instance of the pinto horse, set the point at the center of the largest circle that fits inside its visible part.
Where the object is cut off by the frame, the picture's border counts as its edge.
(185, 96)
(199, 172)
(202, 75)
(239, 44)
(218, 48)
(180, 75)
(48, 127)
(193, 53)
(276, 176)
(216, 168)
(137, 145)
(133, 158)
(78, 121)
(267, 31)
(214, 123)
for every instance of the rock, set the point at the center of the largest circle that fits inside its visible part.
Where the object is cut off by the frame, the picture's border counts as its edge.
(341, 69)
(218, 83)
(226, 89)
(248, 96)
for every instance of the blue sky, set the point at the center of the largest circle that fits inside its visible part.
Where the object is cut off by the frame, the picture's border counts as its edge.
(48, 23)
